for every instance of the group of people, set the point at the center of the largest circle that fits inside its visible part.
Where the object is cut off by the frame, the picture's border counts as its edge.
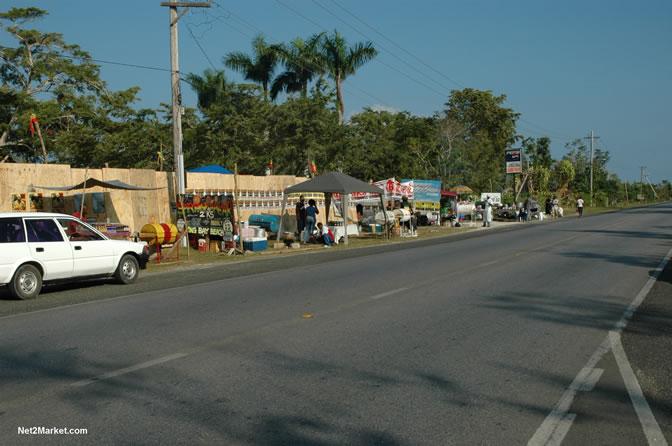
(305, 221)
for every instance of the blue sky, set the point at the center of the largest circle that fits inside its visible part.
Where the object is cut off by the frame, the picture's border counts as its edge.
(568, 67)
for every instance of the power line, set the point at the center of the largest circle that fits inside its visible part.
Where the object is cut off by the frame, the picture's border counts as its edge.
(375, 60)
(387, 51)
(393, 43)
(200, 47)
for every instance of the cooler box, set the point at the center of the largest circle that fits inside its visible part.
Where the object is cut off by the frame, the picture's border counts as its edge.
(255, 244)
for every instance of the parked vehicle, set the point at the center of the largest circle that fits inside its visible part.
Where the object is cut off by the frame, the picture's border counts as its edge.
(37, 247)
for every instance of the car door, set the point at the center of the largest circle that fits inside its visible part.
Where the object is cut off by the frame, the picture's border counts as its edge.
(48, 246)
(92, 253)
(13, 247)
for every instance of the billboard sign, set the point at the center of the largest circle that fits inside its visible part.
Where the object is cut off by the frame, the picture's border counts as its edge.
(514, 162)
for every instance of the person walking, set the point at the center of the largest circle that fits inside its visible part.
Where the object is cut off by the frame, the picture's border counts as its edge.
(579, 205)
(300, 215)
(311, 217)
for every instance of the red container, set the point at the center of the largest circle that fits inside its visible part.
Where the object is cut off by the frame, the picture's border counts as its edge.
(202, 246)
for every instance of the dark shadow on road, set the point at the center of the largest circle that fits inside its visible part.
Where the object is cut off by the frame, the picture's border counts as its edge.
(48, 288)
(570, 311)
(617, 233)
(643, 261)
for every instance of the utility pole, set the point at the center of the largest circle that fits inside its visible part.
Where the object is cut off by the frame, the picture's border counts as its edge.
(592, 138)
(641, 180)
(655, 194)
(175, 86)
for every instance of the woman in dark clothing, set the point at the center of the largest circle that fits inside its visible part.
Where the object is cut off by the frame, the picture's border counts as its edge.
(311, 216)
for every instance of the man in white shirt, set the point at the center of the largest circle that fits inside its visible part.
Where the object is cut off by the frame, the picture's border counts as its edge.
(579, 205)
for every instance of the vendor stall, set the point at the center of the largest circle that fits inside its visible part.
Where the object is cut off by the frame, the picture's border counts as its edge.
(330, 183)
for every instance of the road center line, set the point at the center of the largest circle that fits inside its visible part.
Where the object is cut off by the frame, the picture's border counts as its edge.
(555, 426)
(388, 293)
(130, 369)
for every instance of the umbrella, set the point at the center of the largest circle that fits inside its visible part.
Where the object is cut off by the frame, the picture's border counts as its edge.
(461, 189)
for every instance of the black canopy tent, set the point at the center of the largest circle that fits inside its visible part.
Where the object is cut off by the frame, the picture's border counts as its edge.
(330, 183)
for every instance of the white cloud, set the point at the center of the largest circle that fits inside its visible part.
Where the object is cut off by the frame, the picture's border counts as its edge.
(392, 110)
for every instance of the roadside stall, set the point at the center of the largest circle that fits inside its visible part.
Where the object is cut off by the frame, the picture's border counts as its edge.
(107, 227)
(466, 207)
(329, 184)
(448, 207)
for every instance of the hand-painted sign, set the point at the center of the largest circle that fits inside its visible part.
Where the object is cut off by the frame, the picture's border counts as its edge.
(208, 214)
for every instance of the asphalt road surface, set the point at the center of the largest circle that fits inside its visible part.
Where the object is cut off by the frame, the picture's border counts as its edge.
(504, 337)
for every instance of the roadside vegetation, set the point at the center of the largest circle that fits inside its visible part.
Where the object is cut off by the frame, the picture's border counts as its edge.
(289, 112)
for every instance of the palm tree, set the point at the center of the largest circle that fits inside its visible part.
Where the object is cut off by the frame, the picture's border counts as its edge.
(340, 61)
(210, 87)
(301, 60)
(258, 68)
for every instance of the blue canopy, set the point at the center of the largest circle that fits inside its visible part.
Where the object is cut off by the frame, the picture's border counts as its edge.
(212, 168)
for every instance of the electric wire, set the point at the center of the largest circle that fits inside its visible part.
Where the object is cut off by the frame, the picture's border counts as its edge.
(441, 93)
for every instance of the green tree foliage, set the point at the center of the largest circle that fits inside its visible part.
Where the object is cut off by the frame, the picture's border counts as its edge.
(33, 75)
(340, 61)
(579, 155)
(210, 88)
(489, 128)
(302, 65)
(538, 152)
(260, 66)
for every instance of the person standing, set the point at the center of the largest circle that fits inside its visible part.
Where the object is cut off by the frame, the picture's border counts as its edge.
(487, 217)
(300, 214)
(556, 207)
(579, 205)
(311, 217)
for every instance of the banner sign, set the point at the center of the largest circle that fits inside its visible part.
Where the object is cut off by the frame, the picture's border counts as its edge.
(208, 214)
(514, 163)
(425, 190)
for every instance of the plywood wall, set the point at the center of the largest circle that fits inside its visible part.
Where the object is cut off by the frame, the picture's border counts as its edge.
(133, 208)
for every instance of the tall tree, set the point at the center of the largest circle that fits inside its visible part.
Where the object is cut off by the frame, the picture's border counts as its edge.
(260, 66)
(489, 128)
(42, 65)
(341, 61)
(301, 62)
(210, 88)
(538, 151)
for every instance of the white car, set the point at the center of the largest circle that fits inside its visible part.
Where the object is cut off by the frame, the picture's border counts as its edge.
(38, 246)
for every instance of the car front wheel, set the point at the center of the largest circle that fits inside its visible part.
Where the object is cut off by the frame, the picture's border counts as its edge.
(128, 270)
(26, 283)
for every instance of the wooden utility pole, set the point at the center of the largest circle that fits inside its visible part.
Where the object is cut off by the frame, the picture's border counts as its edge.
(627, 201)
(175, 85)
(592, 138)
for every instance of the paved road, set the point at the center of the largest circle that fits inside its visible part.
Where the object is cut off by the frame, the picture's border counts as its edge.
(473, 340)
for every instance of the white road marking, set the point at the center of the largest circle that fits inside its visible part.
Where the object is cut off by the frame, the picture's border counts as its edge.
(130, 369)
(489, 263)
(651, 427)
(554, 428)
(388, 293)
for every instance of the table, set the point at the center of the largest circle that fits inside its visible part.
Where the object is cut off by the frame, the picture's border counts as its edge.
(339, 231)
